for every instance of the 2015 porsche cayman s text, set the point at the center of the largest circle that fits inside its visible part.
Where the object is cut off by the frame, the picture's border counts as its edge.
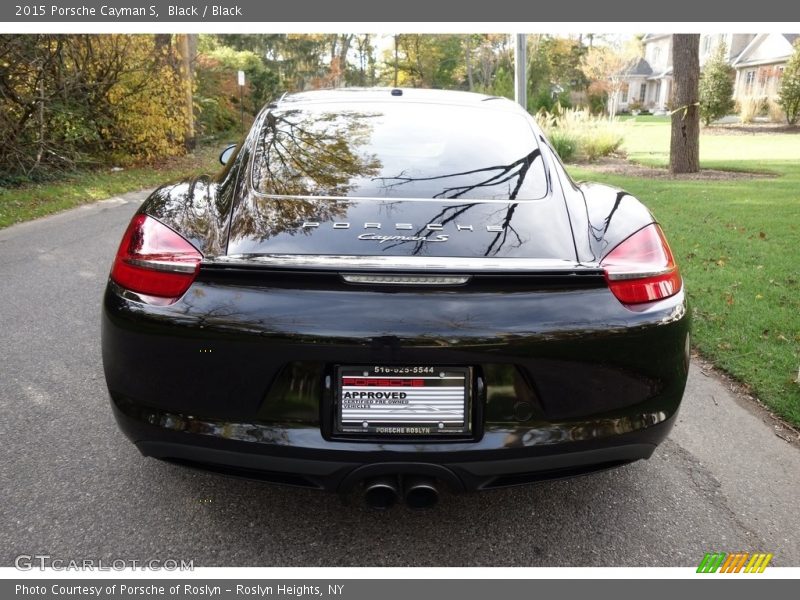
(395, 289)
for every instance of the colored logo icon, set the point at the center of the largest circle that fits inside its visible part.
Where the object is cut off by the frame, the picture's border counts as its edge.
(738, 562)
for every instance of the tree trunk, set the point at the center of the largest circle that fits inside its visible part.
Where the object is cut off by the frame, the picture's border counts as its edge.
(40, 151)
(468, 53)
(684, 149)
(396, 41)
(188, 86)
(344, 48)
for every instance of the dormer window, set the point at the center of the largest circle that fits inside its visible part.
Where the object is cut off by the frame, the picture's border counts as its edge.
(656, 54)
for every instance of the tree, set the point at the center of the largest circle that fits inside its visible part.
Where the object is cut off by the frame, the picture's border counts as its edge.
(554, 68)
(365, 74)
(789, 96)
(220, 101)
(607, 67)
(538, 73)
(468, 62)
(684, 148)
(495, 62)
(716, 87)
(428, 61)
(564, 57)
(70, 101)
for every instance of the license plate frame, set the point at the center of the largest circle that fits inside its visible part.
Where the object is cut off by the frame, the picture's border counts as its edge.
(431, 413)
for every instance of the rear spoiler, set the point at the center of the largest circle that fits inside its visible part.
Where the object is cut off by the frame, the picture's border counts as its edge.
(405, 264)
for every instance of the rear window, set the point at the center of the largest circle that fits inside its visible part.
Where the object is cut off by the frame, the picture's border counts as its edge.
(398, 151)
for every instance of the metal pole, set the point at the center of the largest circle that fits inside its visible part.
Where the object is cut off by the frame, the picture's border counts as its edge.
(520, 70)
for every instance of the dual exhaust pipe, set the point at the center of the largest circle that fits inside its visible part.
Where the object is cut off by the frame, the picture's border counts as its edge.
(418, 492)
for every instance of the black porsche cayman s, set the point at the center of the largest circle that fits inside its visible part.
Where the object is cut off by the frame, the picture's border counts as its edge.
(392, 291)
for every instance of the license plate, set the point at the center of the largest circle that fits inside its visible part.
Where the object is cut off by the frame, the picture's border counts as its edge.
(404, 401)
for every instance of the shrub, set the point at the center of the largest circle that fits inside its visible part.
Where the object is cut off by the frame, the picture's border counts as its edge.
(597, 103)
(71, 101)
(789, 96)
(716, 87)
(564, 143)
(749, 108)
(775, 112)
(576, 133)
(600, 143)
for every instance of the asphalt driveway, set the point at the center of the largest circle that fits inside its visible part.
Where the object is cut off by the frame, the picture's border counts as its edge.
(73, 487)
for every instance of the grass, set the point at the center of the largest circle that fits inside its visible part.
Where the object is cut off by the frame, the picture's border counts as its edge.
(28, 202)
(737, 245)
(645, 118)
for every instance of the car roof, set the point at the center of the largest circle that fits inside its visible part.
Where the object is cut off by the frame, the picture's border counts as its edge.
(397, 95)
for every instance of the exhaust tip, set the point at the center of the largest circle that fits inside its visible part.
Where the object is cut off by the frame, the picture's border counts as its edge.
(381, 493)
(421, 493)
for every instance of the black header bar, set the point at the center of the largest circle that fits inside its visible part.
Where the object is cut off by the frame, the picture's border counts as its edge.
(607, 13)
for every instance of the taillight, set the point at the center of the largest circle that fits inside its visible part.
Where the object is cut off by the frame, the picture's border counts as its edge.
(153, 260)
(641, 268)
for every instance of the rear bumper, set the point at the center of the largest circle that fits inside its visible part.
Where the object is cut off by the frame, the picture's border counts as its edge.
(500, 459)
(575, 381)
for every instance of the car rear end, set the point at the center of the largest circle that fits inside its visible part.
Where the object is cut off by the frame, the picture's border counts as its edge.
(395, 324)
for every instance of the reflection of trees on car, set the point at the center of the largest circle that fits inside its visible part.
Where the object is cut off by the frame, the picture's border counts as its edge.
(449, 214)
(303, 154)
(512, 174)
(474, 179)
(313, 154)
(268, 217)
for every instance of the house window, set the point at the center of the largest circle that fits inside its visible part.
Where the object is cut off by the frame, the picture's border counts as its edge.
(625, 93)
(763, 77)
(707, 44)
(749, 82)
(774, 82)
(642, 93)
(656, 54)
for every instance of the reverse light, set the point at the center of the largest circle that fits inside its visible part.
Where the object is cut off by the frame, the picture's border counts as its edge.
(154, 260)
(641, 268)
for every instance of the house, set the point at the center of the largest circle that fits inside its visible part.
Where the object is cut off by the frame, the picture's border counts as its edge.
(759, 67)
(757, 58)
(650, 79)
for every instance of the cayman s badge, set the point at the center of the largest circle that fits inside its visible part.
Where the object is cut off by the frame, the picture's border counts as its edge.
(382, 239)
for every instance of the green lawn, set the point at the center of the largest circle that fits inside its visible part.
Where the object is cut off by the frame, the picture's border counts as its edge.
(738, 246)
(645, 118)
(28, 202)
